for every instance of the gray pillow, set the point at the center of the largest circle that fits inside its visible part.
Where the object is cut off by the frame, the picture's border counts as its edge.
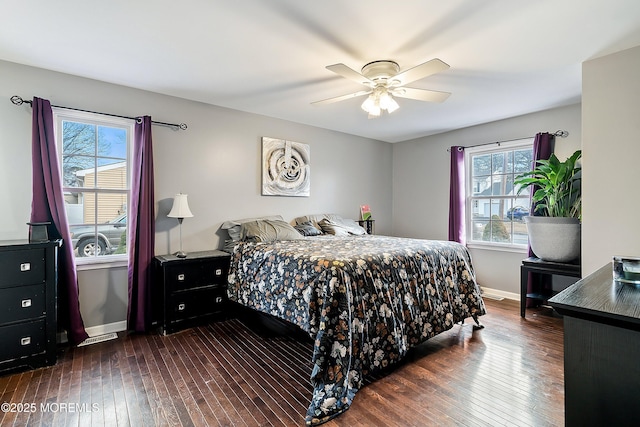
(233, 226)
(316, 218)
(307, 229)
(341, 228)
(268, 231)
(228, 246)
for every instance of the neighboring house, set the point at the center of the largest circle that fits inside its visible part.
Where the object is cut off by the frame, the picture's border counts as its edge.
(110, 205)
(483, 207)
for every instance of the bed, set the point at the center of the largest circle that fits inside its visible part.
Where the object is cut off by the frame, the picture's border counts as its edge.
(365, 300)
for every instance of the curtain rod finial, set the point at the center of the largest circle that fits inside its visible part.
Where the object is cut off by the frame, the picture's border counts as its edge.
(562, 133)
(17, 100)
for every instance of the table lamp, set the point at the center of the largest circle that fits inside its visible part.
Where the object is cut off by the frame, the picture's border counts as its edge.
(180, 210)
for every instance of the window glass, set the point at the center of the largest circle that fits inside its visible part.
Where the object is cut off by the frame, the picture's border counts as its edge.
(496, 214)
(94, 152)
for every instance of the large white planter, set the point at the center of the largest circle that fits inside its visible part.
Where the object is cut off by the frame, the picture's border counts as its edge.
(554, 239)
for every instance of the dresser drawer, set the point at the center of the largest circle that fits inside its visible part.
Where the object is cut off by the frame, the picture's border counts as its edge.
(199, 273)
(22, 267)
(22, 339)
(22, 303)
(196, 303)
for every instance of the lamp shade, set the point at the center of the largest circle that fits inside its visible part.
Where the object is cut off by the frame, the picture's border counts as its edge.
(180, 208)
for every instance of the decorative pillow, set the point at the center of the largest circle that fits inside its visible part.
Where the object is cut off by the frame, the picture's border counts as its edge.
(307, 229)
(354, 227)
(341, 228)
(233, 226)
(268, 231)
(315, 219)
(228, 245)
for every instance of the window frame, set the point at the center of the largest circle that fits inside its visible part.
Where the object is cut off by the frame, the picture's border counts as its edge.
(63, 114)
(469, 199)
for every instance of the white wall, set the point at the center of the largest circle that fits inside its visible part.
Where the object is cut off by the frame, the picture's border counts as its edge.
(611, 142)
(217, 161)
(421, 184)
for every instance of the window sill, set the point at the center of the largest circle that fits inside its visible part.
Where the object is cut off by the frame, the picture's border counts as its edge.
(83, 264)
(499, 248)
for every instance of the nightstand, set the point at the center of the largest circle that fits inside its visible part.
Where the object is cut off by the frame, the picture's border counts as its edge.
(368, 224)
(192, 290)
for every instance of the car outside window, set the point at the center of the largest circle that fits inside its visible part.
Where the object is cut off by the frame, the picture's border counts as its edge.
(495, 213)
(94, 152)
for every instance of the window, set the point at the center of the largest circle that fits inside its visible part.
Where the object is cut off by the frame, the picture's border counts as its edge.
(94, 152)
(495, 215)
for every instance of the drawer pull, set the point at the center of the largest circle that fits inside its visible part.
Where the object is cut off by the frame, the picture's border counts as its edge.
(25, 340)
(25, 266)
(181, 277)
(26, 303)
(218, 300)
(219, 272)
(181, 306)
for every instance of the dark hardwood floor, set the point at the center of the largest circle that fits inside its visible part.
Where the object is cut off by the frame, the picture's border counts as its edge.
(508, 374)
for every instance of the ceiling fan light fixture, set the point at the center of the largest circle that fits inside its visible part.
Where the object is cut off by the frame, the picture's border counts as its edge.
(384, 81)
(378, 101)
(374, 111)
(387, 102)
(392, 106)
(369, 104)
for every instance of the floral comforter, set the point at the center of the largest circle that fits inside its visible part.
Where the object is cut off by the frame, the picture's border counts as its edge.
(364, 299)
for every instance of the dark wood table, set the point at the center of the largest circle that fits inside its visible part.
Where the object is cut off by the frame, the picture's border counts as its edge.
(601, 350)
(538, 266)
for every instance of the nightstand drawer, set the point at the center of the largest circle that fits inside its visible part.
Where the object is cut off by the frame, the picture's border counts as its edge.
(22, 339)
(199, 273)
(22, 303)
(196, 303)
(22, 267)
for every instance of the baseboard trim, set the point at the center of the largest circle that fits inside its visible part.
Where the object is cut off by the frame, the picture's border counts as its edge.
(500, 294)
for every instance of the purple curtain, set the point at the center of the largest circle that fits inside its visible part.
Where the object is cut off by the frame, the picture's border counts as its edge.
(457, 196)
(48, 206)
(542, 149)
(141, 226)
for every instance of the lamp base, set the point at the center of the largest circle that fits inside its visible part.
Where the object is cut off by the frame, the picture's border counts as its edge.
(181, 254)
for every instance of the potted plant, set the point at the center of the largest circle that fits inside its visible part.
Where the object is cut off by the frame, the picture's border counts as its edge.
(554, 228)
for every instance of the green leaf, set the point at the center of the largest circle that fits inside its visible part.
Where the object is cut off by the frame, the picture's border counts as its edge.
(558, 186)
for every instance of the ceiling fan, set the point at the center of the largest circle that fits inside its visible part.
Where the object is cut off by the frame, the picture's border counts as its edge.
(384, 81)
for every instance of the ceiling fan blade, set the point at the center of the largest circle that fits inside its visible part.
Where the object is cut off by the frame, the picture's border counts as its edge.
(420, 94)
(342, 98)
(420, 71)
(350, 74)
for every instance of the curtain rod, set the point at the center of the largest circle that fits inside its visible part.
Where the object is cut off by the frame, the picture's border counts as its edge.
(19, 101)
(560, 133)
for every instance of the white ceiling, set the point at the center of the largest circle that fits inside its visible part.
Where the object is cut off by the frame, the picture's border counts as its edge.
(268, 57)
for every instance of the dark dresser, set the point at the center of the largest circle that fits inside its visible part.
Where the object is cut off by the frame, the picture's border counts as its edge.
(28, 318)
(192, 289)
(601, 350)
